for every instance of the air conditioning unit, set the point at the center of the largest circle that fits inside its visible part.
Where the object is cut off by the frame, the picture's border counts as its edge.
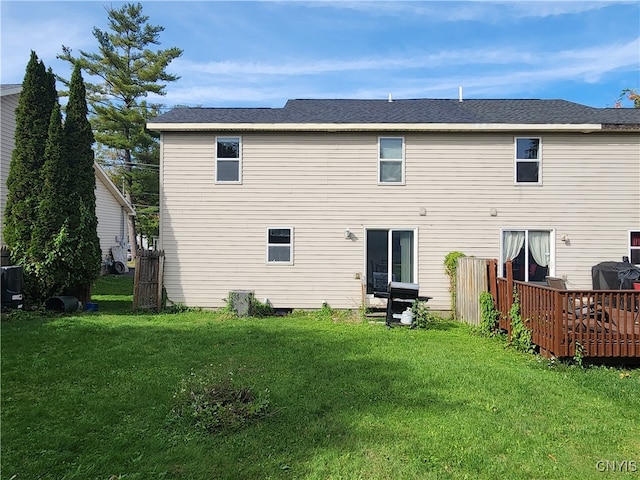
(12, 287)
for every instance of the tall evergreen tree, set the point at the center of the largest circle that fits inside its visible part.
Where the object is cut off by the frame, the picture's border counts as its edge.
(82, 220)
(52, 248)
(24, 181)
(128, 71)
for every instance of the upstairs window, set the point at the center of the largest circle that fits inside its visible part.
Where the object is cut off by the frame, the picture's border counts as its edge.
(228, 160)
(528, 161)
(280, 245)
(391, 160)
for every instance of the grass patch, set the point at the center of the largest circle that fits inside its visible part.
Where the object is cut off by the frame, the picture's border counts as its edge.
(114, 293)
(93, 396)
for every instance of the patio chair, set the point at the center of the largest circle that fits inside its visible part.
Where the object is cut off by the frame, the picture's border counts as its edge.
(579, 310)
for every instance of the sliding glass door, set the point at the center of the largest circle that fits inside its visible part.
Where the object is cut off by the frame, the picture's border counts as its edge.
(391, 256)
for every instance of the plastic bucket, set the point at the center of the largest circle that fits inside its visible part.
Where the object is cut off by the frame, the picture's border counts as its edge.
(407, 317)
(62, 304)
(91, 307)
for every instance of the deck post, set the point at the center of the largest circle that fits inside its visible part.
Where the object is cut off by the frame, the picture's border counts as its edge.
(509, 269)
(492, 266)
(558, 319)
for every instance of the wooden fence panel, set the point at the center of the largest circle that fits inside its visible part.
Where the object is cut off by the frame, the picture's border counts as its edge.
(471, 280)
(147, 289)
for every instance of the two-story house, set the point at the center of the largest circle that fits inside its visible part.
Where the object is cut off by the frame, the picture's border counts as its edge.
(326, 200)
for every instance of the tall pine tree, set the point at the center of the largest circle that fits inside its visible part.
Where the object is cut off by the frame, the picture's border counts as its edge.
(82, 220)
(127, 71)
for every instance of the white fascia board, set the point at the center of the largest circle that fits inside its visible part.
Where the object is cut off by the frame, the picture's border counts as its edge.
(370, 127)
(102, 175)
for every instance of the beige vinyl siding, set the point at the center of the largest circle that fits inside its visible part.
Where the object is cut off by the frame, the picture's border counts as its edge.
(320, 184)
(9, 103)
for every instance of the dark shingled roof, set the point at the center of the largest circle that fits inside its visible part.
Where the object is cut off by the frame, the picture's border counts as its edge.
(410, 111)
(5, 87)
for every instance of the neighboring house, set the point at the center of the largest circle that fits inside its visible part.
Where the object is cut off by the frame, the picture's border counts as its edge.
(327, 200)
(112, 208)
(9, 95)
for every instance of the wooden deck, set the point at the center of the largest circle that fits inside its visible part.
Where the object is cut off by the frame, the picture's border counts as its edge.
(605, 323)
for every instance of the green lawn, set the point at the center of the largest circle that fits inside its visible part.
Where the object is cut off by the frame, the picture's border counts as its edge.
(90, 396)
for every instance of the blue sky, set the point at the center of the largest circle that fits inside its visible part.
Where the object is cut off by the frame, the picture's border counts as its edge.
(259, 54)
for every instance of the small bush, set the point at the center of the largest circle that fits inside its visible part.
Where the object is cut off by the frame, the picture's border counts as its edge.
(325, 312)
(217, 405)
(259, 309)
(422, 316)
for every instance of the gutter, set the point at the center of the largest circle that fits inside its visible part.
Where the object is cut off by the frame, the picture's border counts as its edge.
(376, 127)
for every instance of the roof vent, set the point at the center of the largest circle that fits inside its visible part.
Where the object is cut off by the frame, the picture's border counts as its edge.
(460, 94)
(390, 99)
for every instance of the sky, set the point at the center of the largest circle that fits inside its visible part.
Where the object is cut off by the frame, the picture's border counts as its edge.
(260, 54)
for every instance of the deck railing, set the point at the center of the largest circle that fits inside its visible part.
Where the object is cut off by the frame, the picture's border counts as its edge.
(605, 323)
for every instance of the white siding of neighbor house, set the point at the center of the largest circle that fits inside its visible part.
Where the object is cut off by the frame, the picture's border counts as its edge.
(110, 217)
(8, 104)
(214, 236)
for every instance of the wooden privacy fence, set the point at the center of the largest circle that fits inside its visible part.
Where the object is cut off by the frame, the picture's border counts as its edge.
(147, 288)
(473, 276)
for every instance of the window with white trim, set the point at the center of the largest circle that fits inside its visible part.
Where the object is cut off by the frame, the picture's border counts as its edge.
(391, 160)
(391, 255)
(634, 247)
(528, 161)
(280, 245)
(228, 160)
(531, 253)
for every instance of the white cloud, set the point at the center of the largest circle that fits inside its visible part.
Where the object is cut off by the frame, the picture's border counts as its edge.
(46, 38)
(472, 10)
(601, 57)
(495, 72)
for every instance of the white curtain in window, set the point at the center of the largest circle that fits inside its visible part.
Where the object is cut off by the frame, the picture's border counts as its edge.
(512, 243)
(539, 247)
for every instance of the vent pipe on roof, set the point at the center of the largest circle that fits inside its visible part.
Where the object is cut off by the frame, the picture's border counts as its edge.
(390, 99)
(460, 94)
